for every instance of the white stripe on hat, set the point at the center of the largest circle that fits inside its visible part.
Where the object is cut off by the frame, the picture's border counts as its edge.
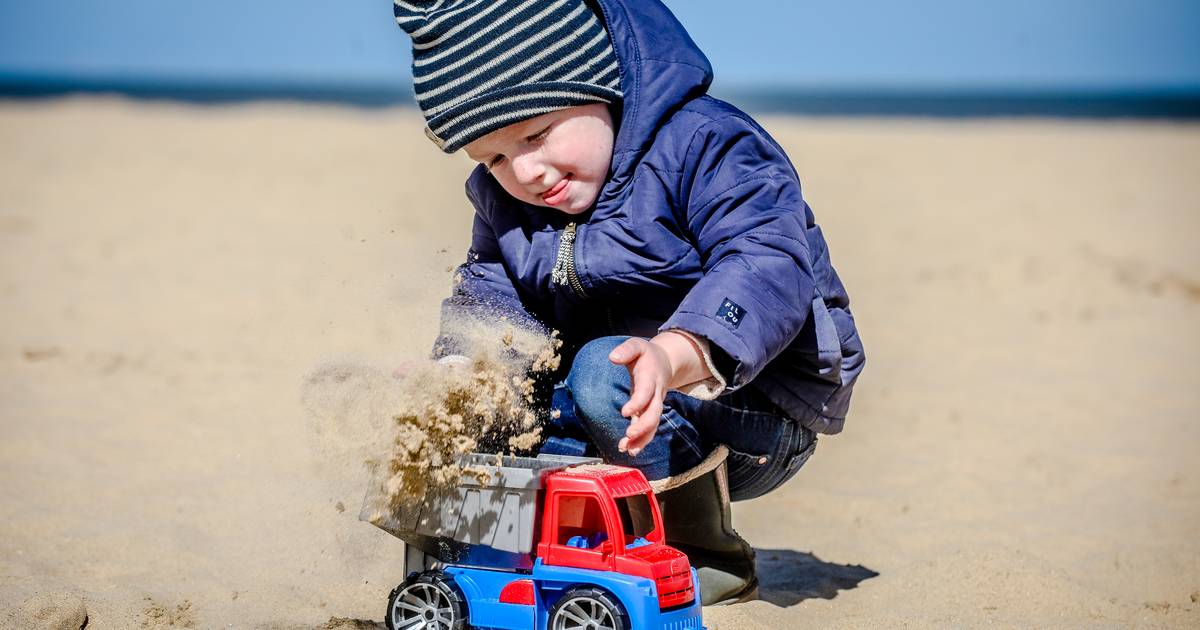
(590, 25)
(542, 34)
(580, 69)
(521, 114)
(596, 77)
(492, 104)
(471, 20)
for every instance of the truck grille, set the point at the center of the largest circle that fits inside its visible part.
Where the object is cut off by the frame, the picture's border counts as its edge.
(691, 623)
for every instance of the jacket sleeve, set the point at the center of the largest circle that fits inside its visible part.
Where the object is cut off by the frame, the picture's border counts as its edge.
(740, 199)
(482, 292)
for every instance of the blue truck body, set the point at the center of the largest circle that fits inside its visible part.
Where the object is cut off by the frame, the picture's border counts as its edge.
(482, 589)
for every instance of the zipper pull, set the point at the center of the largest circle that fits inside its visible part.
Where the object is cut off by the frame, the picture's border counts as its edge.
(566, 245)
(564, 274)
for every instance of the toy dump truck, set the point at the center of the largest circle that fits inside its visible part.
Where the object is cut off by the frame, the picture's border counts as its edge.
(545, 543)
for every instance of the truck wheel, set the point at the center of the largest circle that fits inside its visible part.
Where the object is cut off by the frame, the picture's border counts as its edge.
(427, 601)
(588, 609)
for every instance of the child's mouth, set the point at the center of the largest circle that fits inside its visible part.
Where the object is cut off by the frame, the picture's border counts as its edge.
(558, 193)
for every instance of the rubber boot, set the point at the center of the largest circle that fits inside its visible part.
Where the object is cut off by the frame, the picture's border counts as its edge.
(698, 521)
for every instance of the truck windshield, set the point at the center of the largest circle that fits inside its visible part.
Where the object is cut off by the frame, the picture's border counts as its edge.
(636, 518)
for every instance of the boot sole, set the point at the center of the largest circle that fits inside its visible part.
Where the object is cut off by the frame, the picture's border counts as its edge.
(748, 594)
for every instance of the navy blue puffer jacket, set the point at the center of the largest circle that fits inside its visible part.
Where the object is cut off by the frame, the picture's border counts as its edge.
(701, 226)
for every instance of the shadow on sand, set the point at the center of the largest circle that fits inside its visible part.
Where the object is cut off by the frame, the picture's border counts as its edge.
(788, 577)
(343, 623)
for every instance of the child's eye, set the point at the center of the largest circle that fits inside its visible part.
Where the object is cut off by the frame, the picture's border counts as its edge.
(494, 162)
(539, 135)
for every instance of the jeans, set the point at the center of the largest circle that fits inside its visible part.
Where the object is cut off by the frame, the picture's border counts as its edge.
(766, 448)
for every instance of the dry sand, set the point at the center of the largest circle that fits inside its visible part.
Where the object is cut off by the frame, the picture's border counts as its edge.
(1022, 451)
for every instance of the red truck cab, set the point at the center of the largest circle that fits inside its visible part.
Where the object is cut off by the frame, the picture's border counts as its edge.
(605, 518)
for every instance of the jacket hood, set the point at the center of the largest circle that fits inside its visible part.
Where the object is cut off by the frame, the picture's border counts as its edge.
(661, 70)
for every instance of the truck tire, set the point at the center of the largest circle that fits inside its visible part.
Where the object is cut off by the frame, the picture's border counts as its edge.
(588, 609)
(427, 601)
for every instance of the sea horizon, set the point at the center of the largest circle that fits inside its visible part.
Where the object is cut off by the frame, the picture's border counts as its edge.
(934, 101)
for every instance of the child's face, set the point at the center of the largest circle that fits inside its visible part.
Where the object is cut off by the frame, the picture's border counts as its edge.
(558, 160)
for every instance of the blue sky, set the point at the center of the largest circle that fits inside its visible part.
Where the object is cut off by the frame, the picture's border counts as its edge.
(874, 44)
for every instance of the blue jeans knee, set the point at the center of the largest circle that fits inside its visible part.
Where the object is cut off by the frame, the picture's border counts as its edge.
(599, 388)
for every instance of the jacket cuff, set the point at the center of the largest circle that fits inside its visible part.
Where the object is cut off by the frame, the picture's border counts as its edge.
(723, 339)
(711, 387)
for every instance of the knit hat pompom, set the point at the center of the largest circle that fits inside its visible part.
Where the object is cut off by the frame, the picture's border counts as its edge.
(480, 65)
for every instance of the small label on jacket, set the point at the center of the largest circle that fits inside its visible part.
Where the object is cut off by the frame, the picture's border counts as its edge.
(731, 312)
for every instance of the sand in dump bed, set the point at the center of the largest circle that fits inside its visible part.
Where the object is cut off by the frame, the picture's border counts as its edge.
(1023, 445)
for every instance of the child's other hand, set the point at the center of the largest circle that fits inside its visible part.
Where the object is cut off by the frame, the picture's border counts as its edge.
(655, 366)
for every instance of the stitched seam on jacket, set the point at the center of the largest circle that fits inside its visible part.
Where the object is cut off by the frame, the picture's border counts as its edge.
(803, 243)
(804, 402)
(712, 122)
(660, 169)
(637, 59)
(745, 182)
(635, 272)
(778, 300)
(674, 61)
(779, 234)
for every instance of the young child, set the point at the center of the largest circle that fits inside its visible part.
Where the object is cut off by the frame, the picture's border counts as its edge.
(661, 231)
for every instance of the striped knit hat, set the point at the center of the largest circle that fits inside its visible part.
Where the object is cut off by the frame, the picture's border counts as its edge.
(479, 65)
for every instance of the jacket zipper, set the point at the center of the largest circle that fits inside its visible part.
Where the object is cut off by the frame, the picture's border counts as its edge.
(564, 273)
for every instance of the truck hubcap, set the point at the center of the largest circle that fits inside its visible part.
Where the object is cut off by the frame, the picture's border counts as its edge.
(584, 614)
(422, 607)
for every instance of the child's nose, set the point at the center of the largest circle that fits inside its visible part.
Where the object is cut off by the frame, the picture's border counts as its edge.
(528, 170)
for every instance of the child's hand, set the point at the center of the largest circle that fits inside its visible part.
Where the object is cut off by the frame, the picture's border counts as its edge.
(655, 366)
(650, 371)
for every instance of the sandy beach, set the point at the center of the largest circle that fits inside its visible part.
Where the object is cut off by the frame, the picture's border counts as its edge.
(1023, 448)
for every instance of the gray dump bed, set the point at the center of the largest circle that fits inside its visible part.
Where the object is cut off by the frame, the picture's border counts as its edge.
(482, 522)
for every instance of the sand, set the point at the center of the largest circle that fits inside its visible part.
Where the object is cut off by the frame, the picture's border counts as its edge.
(1022, 450)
